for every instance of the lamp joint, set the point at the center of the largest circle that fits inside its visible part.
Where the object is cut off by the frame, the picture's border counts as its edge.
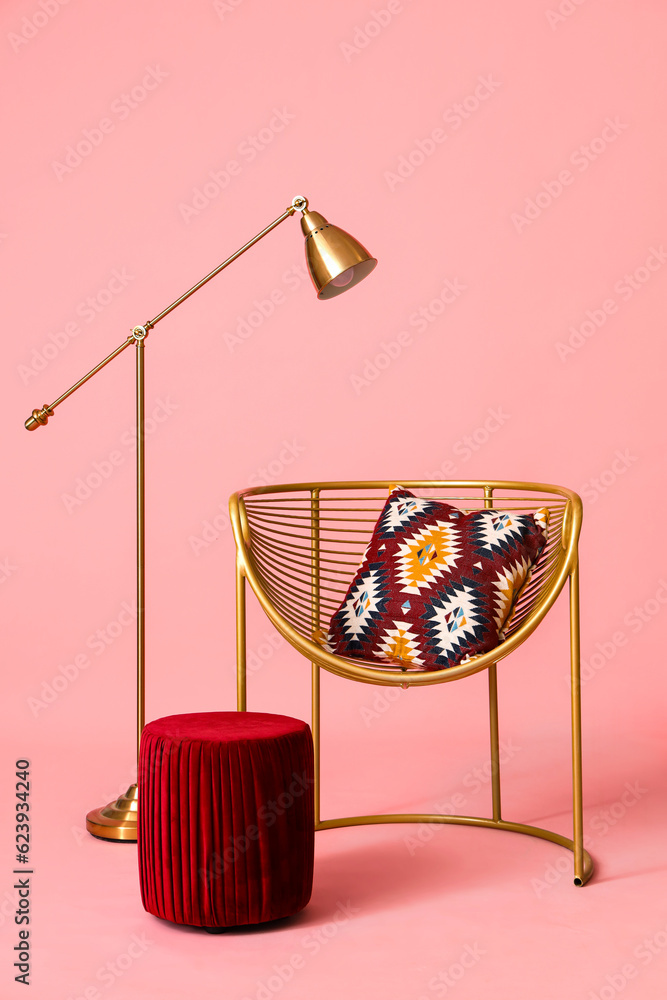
(299, 204)
(139, 333)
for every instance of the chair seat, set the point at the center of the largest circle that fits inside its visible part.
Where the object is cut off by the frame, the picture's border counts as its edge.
(226, 821)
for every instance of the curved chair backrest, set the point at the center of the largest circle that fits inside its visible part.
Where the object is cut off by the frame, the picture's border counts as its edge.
(299, 546)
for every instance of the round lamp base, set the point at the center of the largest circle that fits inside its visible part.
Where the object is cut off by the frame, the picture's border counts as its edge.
(116, 821)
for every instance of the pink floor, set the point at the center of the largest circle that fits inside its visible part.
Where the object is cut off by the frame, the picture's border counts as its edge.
(397, 911)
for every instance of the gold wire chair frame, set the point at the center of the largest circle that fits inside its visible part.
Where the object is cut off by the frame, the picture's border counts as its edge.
(287, 579)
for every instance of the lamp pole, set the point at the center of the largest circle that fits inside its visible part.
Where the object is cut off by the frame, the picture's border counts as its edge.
(336, 262)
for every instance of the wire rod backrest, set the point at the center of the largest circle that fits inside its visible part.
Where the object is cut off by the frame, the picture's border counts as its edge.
(300, 544)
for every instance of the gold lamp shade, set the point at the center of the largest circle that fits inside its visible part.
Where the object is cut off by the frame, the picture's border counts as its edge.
(336, 260)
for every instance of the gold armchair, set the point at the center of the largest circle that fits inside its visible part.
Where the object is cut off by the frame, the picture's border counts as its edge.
(299, 545)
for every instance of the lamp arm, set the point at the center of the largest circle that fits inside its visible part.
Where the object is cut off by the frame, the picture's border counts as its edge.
(230, 260)
(39, 418)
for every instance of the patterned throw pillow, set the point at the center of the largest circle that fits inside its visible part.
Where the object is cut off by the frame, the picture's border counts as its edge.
(436, 586)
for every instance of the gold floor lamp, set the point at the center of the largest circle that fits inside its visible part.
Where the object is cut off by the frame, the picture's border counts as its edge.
(336, 262)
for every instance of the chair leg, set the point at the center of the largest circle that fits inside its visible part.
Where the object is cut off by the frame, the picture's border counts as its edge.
(493, 708)
(315, 621)
(575, 684)
(495, 750)
(240, 641)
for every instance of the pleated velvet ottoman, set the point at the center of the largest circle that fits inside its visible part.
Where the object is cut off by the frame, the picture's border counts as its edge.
(226, 818)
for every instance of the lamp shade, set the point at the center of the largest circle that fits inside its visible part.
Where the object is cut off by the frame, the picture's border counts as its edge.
(336, 260)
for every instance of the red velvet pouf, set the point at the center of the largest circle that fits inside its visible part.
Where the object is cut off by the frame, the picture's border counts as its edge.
(226, 818)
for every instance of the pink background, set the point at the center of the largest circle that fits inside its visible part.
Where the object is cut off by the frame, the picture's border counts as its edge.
(542, 202)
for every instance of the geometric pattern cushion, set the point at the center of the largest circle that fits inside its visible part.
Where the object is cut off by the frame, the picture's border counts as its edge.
(436, 586)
